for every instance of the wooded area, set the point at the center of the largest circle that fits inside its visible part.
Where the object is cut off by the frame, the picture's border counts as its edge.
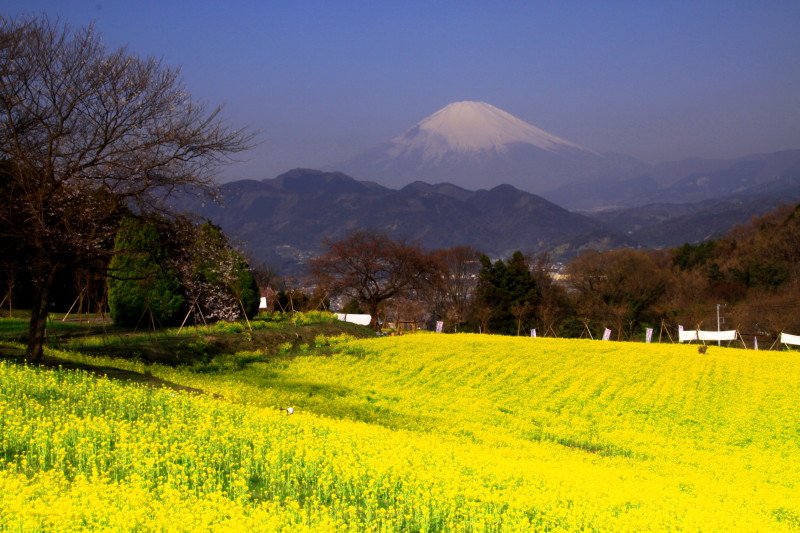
(752, 275)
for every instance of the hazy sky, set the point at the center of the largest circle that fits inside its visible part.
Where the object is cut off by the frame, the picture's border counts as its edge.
(323, 81)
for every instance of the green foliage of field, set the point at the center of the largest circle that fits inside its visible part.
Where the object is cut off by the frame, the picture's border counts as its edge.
(422, 432)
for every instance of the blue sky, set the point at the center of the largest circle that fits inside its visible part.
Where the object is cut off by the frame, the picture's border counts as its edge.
(323, 81)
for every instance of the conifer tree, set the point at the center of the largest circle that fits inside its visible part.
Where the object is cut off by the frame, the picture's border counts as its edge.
(142, 286)
(509, 291)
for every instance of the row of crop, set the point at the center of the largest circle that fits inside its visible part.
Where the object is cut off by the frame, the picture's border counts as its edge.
(64, 432)
(469, 433)
(620, 400)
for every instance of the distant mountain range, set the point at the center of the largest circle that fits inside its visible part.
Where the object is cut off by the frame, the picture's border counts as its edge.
(665, 225)
(472, 174)
(688, 181)
(283, 221)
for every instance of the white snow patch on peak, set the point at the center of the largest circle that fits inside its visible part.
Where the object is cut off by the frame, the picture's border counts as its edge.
(474, 127)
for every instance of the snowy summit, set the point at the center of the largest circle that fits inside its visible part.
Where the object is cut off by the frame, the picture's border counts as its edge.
(475, 145)
(473, 127)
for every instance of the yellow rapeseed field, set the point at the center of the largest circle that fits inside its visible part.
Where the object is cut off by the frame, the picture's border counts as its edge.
(416, 433)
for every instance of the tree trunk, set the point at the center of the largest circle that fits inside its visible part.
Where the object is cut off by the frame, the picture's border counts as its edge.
(373, 311)
(11, 282)
(39, 313)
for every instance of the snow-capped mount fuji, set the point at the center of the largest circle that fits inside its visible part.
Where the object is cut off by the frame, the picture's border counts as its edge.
(471, 128)
(478, 146)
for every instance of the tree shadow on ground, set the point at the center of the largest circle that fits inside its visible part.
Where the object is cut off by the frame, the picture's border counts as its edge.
(16, 355)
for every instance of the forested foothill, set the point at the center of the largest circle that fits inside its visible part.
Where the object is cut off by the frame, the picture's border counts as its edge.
(748, 281)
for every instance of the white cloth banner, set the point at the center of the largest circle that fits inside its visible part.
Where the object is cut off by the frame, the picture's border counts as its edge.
(533, 332)
(439, 326)
(790, 339)
(362, 320)
(686, 334)
(649, 335)
(729, 335)
(700, 335)
(607, 334)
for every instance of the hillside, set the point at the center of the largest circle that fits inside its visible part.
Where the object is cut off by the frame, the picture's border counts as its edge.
(663, 225)
(421, 432)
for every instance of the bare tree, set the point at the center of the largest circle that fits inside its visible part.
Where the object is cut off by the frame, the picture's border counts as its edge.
(481, 314)
(553, 303)
(458, 278)
(520, 311)
(620, 286)
(8, 273)
(401, 309)
(87, 134)
(371, 267)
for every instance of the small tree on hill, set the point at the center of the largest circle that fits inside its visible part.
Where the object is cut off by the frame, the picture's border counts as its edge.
(454, 291)
(215, 277)
(372, 268)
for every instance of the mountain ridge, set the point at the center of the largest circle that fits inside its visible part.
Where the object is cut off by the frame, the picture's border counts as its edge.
(281, 222)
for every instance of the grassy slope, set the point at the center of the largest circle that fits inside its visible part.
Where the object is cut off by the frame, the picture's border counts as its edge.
(179, 346)
(554, 433)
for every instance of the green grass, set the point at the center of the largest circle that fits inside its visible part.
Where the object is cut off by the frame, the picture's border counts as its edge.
(16, 328)
(269, 333)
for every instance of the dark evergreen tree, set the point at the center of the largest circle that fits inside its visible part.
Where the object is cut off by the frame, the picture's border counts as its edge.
(245, 288)
(509, 291)
(142, 287)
